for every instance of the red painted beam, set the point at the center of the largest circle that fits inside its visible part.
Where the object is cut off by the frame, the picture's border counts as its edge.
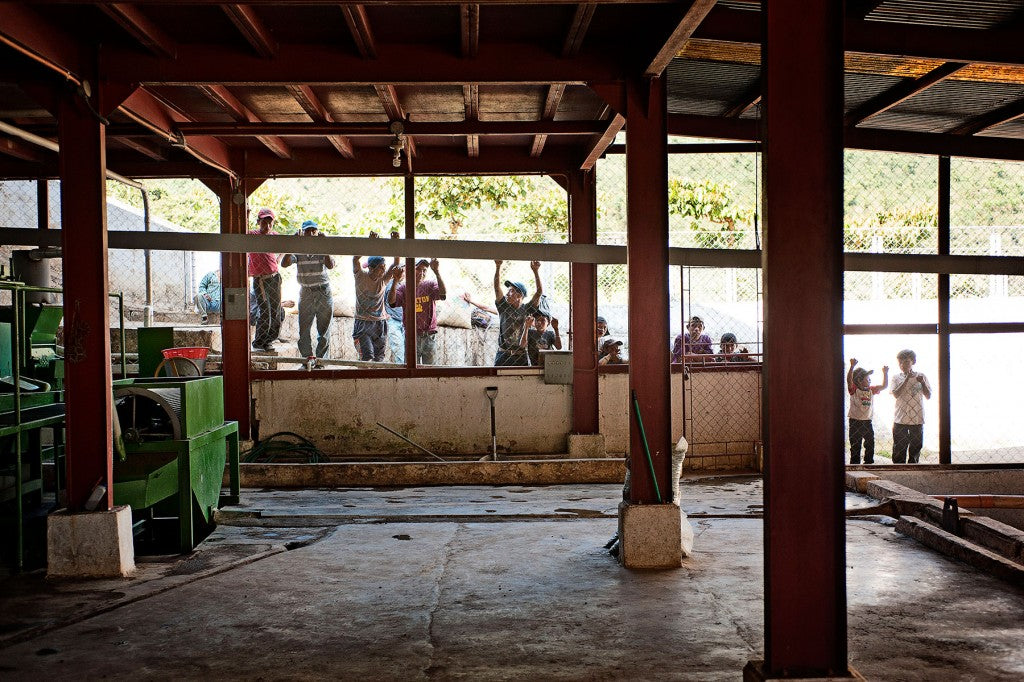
(22, 150)
(493, 160)
(551, 102)
(86, 312)
(805, 610)
(252, 28)
(142, 28)
(315, 109)
(901, 93)
(647, 259)
(683, 31)
(29, 32)
(582, 191)
(143, 107)
(397, 63)
(234, 333)
(362, 34)
(433, 129)
(1005, 114)
(578, 29)
(224, 98)
(601, 142)
(469, 30)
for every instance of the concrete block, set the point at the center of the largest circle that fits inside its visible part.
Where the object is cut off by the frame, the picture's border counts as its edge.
(586, 446)
(90, 544)
(653, 535)
(857, 481)
(755, 671)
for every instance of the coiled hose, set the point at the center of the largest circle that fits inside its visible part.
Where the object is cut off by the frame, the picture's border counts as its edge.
(286, 444)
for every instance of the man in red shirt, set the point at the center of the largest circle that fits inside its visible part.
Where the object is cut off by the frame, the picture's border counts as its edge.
(266, 281)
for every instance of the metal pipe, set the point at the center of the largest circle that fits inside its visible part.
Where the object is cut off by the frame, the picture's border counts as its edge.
(985, 501)
(16, 331)
(147, 318)
(46, 143)
(120, 322)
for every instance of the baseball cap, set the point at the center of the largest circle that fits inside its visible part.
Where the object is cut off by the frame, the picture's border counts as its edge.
(860, 373)
(422, 261)
(518, 285)
(728, 337)
(265, 213)
(609, 342)
(309, 225)
(374, 261)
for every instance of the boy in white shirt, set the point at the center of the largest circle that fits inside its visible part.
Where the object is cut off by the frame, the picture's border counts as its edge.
(908, 426)
(862, 394)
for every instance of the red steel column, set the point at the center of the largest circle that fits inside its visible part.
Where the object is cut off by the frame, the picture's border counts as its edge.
(83, 197)
(647, 259)
(583, 303)
(234, 334)
(805, 589)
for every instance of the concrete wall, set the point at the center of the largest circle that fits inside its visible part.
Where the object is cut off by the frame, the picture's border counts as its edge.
(450, 415)
(965, 482)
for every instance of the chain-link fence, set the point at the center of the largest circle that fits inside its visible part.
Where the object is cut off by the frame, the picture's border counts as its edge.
(891, 207)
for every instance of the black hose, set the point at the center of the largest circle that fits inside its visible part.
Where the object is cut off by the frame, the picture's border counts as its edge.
(283, 443)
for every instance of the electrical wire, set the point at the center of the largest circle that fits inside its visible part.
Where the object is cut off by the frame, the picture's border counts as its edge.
(283, 444)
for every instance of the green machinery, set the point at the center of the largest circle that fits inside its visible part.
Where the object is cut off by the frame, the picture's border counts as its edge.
(31, 402)
(170, 471)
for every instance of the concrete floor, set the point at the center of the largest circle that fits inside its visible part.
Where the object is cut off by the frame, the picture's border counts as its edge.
(491, 583)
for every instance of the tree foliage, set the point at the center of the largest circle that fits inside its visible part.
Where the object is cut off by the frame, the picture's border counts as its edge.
(708, 208)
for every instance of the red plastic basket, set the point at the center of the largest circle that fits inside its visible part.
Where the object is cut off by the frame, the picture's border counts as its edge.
(192, 352)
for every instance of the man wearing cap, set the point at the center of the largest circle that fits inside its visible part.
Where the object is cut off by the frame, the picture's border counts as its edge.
(609, 351)
(370, 327)
(427, 292)
(514, 317)
(315, 300)
(266, 282)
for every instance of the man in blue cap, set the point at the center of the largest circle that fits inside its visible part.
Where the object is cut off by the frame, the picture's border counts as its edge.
(315, 299)
(514, 317)
(370, 327)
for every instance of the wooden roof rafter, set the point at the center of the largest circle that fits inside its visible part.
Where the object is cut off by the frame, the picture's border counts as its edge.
(471, 102)
(684, 30)
(1005, 114)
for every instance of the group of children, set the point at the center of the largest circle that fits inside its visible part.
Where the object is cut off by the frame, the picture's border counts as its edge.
(909, 388)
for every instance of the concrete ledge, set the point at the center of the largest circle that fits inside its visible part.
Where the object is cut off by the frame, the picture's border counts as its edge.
(586, 446)
(961, 549)
(525, 472)
(90, 544)
(857, 481)
(650, 536)
(754, 671)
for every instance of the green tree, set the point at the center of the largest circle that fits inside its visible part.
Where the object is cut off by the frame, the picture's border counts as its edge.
(709, 209)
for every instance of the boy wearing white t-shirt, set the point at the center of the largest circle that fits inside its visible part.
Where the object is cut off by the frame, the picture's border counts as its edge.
(908, 426)
(862, 394)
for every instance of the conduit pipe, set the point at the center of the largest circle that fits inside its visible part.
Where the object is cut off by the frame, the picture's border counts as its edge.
(49, 144)
(985, 501)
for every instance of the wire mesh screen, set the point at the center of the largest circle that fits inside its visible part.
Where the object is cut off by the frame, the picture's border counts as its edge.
(873, 353)
(985, 412)
(891, 203)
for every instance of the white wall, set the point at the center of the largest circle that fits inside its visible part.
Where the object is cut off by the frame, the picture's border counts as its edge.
(450, 415)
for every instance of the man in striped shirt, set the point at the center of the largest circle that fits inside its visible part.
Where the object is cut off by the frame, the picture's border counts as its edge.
(315, 300)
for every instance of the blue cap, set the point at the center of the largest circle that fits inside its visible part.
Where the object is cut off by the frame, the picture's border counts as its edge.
(374, 261)
(518, 285)
(310, 225)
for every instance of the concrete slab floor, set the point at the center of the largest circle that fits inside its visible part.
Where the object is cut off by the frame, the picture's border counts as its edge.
(523, 599)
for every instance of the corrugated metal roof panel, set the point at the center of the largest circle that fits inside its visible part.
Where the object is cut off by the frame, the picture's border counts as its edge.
(707, 88)
(912, 122)
(978, 14)
(960, 100)
(858, 88)
(1014, 129)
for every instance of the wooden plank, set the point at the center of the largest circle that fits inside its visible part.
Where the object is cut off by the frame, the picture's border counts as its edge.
(683, 31)
(578, 29)
(469, 30)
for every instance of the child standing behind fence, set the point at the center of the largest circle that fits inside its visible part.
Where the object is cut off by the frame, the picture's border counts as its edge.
(908, 426)
(862, 394)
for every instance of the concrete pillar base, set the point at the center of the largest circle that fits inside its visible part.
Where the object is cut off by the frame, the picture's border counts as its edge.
(90, 544)
(586, 446)
(754, 672)
(653, 536)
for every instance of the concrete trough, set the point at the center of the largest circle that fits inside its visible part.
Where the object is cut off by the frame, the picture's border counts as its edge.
(517, 472)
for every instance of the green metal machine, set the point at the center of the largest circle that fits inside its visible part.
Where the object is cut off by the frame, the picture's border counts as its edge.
(175, 447)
